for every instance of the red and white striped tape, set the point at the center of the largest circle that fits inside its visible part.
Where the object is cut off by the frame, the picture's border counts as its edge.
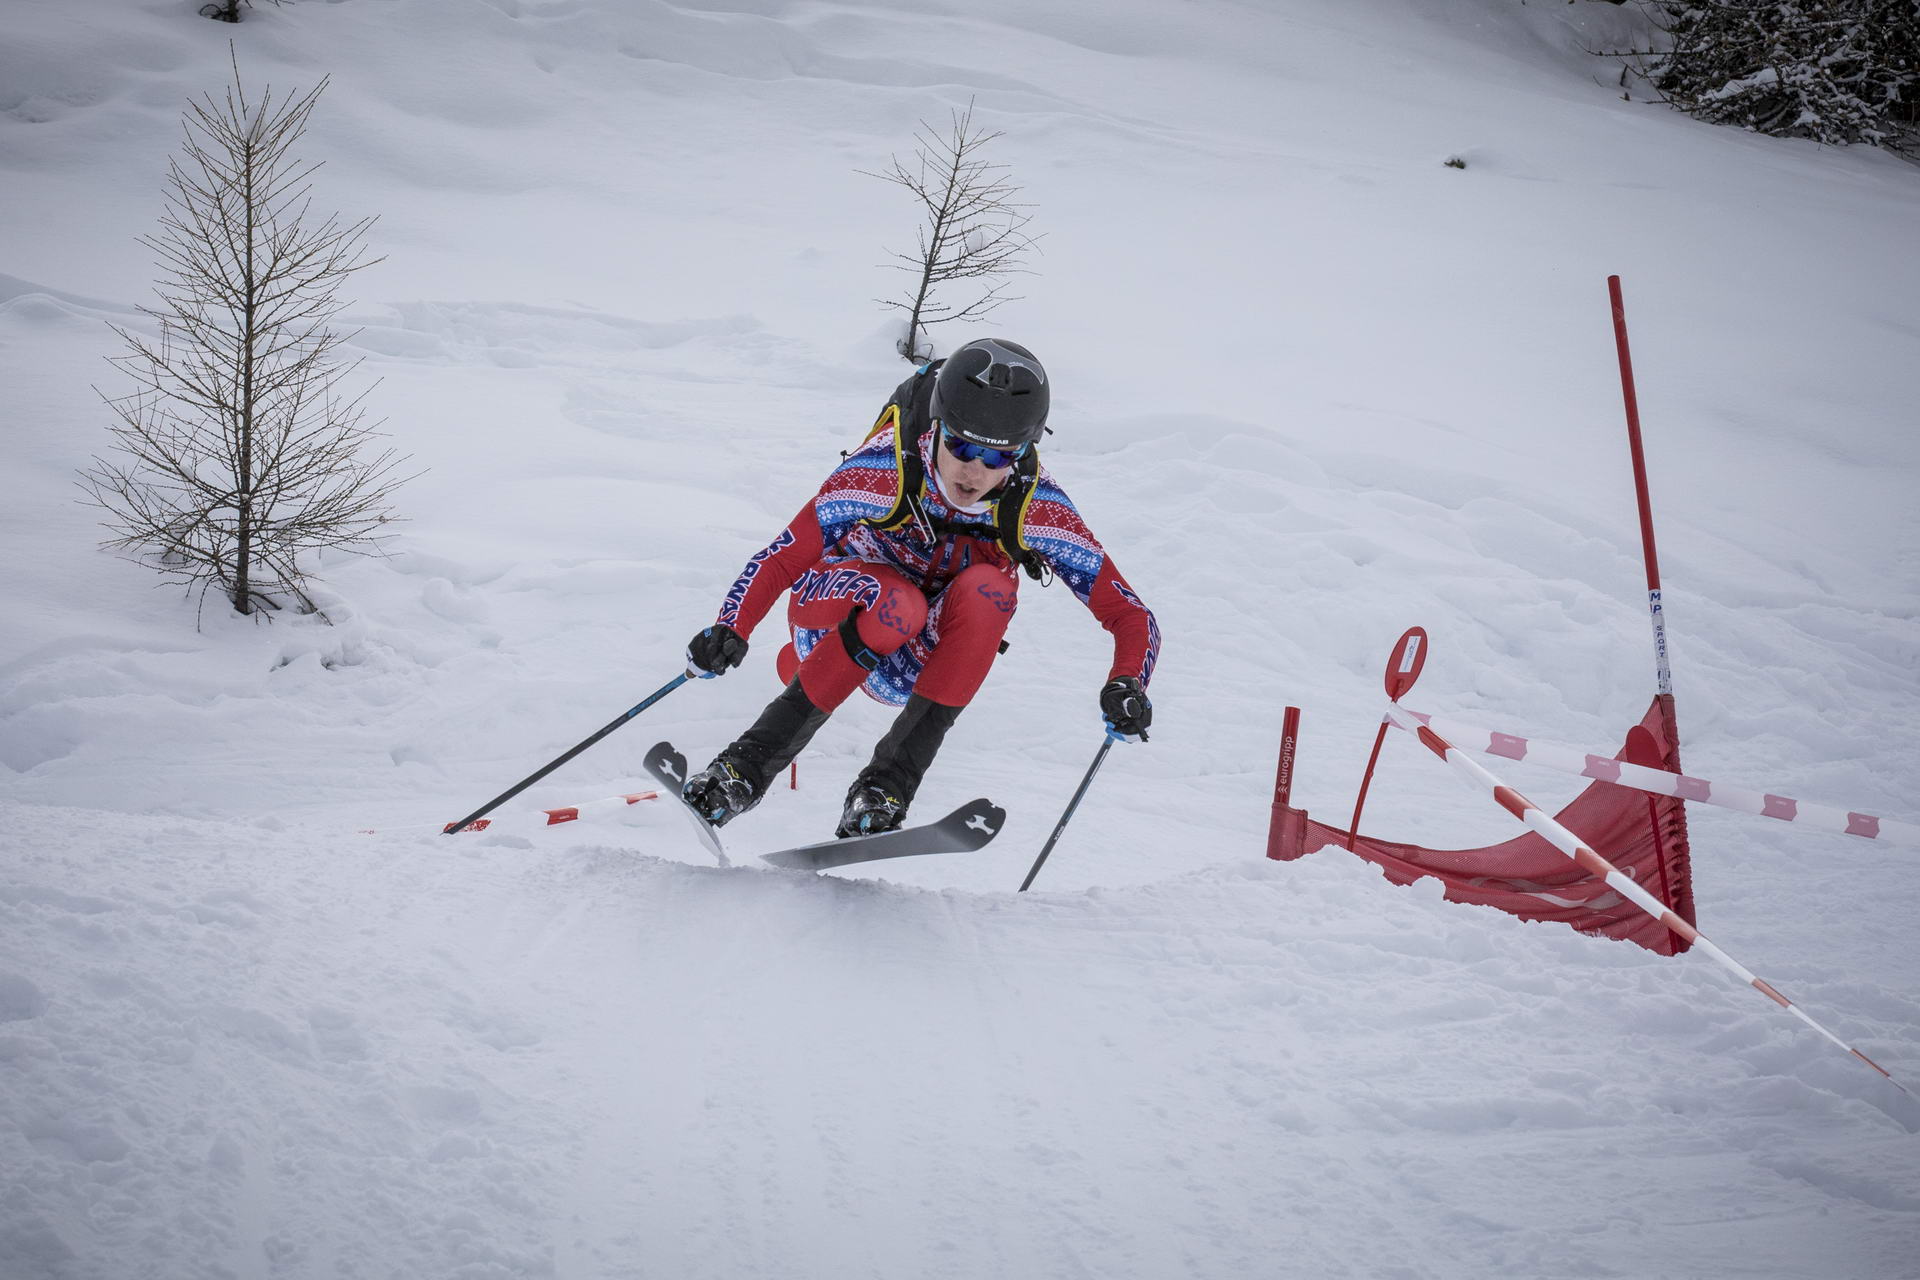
(1537, 820)
(571, 813)
(1745, 799)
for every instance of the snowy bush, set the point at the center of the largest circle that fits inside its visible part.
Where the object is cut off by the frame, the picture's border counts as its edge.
(1835, 71)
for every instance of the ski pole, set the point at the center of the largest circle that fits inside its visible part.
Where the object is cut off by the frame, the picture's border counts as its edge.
(1071, 806)
(454, 828)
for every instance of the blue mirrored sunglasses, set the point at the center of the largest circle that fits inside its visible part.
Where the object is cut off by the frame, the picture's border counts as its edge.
(968, 451)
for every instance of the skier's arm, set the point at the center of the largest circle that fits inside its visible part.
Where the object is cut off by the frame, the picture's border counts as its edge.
(862, 485)
(771, 570)
(1056, 531)
(1136, 636)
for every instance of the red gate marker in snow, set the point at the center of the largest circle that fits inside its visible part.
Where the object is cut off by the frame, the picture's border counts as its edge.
(1658, 781)
(1404, 665)
(570, 813)
(1537, 820)
(1289, 752)
(1663, 672)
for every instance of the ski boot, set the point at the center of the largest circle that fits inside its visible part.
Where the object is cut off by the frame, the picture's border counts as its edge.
(722, 791)
(879, 797)
(869, 811)
(738, 776)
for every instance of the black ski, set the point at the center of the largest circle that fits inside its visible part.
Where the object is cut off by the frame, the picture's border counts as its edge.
(965, 829)
(669, 769)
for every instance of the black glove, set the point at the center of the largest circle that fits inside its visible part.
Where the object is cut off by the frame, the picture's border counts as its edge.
(1124, 705)
(714, 650)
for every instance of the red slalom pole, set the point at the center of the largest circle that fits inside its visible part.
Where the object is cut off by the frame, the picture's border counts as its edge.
(1366, 780)
(1282, 830)
(1289, 749)
(1403, 668)
(1651, 554)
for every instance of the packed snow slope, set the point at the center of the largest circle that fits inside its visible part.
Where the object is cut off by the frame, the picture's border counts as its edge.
(1312, 385)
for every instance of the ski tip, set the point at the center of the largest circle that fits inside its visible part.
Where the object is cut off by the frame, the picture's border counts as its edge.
(665, 763)
(978, 821)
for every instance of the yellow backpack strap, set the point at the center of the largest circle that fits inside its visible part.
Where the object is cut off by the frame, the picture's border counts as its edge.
(908, 469)
(900, 415)
(1010, 519)
(889, 417)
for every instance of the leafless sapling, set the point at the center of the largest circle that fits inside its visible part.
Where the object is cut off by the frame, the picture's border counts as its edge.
(237, 455)
(973, 228)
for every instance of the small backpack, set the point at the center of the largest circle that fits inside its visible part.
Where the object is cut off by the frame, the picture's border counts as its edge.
(908, 411)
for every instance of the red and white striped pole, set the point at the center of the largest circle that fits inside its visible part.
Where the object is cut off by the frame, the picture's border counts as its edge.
(1766, 804)
(570, 813)
(1537, 820)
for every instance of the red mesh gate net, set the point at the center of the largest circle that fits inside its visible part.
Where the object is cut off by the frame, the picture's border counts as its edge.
(1644, 835)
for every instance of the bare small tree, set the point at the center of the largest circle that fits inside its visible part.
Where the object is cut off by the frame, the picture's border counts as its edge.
(236, 454)
(973, 230)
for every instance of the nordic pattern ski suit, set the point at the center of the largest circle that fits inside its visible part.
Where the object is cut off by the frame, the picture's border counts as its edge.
(935, 607)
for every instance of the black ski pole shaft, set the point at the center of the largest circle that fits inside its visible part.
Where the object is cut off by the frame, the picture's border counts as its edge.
(454, 828)
(1071, 806)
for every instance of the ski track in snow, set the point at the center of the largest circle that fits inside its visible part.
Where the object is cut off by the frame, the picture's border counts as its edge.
(413, 1056)
(257, 1020)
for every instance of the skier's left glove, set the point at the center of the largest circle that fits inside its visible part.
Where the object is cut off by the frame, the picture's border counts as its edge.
(714, 650)
(1124, 706)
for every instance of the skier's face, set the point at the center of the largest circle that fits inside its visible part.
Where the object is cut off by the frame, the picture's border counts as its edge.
(966, 482)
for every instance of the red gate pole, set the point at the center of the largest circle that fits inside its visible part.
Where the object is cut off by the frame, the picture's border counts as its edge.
(1283, 842)
(1366, 780)
(1662, 671)
(1404, 664)
(1289, 748)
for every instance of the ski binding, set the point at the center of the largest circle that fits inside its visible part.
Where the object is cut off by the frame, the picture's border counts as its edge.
(669, 769)
(965, 829)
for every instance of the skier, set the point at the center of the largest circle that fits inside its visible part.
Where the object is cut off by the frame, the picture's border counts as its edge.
(902, 573)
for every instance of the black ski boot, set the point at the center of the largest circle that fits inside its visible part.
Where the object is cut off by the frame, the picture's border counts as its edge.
(721, 792)
(869, 811)
(739, 775)
(879, 797)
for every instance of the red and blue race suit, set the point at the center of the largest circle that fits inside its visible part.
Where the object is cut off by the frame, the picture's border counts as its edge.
(934, 605)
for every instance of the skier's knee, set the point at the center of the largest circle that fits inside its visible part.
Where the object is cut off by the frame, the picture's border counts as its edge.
(896, 616)
(986, 591)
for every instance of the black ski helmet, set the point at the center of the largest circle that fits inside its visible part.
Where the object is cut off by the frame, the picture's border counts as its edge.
(993, 393)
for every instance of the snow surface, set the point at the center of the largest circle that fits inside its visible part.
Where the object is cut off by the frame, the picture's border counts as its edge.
(1314, 385)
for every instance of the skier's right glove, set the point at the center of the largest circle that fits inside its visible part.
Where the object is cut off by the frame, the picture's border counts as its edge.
(1124, 705)
(715, 649)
